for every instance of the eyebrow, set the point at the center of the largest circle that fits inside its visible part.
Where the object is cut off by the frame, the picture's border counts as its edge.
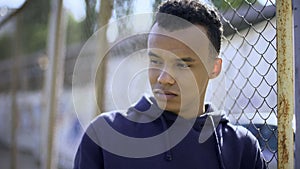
(153, 54)
(186, 59)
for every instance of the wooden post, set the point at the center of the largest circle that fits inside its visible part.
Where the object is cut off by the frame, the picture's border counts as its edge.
(15, 83)
(53, 82)
(104, 16)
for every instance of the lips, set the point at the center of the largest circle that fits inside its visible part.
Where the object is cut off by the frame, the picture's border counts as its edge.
(164, 94)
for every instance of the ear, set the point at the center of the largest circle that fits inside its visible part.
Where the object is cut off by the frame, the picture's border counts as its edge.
(216, 69)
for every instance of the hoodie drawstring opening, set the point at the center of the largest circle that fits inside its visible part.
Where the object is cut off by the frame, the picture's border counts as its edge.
(168, 154)
(218, 143)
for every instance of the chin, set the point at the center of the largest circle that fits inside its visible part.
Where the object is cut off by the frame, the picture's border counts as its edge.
(175, 108)
(169, 107)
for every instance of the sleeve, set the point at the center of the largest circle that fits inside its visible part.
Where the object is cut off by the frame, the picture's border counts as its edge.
(89, 154)
(260, 161)
(252, 157)
(253, 152)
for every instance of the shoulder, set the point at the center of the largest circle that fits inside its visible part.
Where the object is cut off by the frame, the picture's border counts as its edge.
(114, 119)
(142, 111)
(110, 116)
(240, 143)
(101, 125)
(239, 132)
(244, 132)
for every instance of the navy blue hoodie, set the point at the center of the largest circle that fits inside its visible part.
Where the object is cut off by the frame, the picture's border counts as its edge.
(221, 144)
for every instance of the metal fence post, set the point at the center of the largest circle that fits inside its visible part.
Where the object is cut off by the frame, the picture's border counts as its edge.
(296, 10)
(285, 84)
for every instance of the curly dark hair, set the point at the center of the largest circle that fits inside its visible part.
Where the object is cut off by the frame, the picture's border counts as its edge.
(194, 12)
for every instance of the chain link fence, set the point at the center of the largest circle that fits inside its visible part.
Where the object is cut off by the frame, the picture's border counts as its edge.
(250, 71)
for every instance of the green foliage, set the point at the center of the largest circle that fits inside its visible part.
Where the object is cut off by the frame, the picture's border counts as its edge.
(6, 47)
(90, 23)
(156, 4)
(34, 23)
(74, 31)
(32, 29)
(123, 7)
(34, 38)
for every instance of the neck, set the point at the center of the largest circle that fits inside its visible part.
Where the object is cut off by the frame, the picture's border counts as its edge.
(190, 110)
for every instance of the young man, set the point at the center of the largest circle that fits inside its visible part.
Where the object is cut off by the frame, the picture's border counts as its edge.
(174, 129)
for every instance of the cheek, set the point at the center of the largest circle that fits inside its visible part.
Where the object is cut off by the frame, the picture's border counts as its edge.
(202, 84)
(153, 75)
(193, 81)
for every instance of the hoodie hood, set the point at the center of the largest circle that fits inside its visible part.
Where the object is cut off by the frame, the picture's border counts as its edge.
(148, 107)
(206, 124)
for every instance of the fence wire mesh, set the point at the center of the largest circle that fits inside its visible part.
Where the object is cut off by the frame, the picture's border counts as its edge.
(250, 71)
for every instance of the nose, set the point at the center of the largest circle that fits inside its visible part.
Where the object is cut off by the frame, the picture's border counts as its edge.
(165, 78)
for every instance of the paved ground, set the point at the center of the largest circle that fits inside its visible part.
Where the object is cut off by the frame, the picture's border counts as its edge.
(24, 160)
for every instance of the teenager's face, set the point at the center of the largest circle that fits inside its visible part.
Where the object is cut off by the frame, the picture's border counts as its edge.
(176, 72)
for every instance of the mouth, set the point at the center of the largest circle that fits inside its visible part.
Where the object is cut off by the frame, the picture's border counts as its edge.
(164, 94)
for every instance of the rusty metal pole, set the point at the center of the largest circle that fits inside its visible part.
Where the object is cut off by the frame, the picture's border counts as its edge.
(296, 11)
(285, 65)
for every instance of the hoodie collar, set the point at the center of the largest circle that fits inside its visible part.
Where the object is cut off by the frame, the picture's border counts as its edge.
(148, 106)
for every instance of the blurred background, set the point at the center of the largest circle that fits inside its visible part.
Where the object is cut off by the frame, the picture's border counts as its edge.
(40, 41)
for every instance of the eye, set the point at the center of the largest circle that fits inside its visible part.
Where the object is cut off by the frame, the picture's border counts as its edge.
(183, 65)
(155, 62)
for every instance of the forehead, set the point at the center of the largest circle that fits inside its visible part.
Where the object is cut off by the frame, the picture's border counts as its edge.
(166, 46)
(192, 39)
